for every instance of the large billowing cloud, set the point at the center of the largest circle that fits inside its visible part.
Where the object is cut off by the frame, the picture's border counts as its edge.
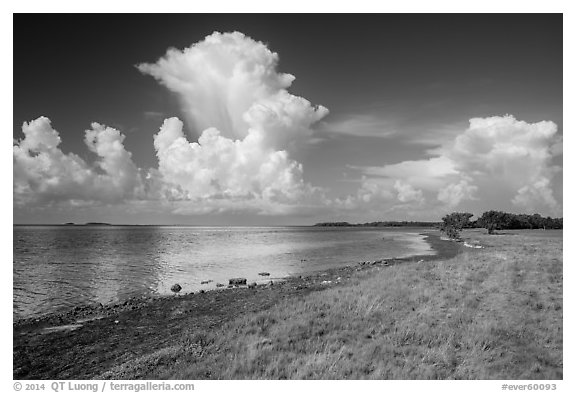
(233, 96)
(43, 174)
(229, 82)
(496, 158)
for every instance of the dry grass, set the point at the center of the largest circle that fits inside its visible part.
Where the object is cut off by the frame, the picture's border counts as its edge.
(493, 313)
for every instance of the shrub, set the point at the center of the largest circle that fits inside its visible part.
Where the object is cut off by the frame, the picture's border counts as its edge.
(453, 223)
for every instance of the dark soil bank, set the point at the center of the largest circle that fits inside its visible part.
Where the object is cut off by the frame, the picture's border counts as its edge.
(87, 341)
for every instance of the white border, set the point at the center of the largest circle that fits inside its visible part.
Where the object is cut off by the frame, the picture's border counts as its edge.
(260, 6)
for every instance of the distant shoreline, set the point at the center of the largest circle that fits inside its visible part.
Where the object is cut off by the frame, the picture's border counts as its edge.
(382, 224)
(318, 225)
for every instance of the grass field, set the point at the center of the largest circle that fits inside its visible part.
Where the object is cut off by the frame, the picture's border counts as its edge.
(491, 313)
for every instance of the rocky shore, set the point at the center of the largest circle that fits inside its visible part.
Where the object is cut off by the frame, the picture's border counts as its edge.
(85, 342)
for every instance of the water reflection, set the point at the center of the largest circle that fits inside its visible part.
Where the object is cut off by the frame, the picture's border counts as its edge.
(58, 267)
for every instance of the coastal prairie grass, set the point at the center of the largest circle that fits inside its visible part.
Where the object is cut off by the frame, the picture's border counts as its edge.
(492, 313)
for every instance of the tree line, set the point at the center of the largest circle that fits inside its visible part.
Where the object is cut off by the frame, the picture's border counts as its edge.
(494, 220)
(380, 224)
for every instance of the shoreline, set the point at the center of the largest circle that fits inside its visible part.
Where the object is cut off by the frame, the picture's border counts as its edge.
(90, 309)
(86, 341)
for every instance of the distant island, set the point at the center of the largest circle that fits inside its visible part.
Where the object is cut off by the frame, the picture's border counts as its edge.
(380, 224)
(89, 223)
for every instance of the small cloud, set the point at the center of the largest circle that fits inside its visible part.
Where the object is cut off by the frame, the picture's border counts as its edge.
(154, 115)
(455, 193)
(407, 193)
(361, 126)
(435, 135)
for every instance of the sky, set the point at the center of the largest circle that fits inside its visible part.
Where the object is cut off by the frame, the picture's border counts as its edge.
(285, 119)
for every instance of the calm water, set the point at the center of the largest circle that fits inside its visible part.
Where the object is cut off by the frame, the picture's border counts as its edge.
(59, 267)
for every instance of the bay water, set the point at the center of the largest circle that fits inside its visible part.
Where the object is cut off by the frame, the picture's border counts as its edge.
(58, 267)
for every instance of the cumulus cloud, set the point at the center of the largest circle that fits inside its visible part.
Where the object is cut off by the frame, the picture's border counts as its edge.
(116, 162)
(454, 193)
(372, 190)
(230, 82)
(515, 153)
(495, 158)
(218, 168)
(502, 145)
(44, 174)
(536, 195)
(248, 122)
(407, 193)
